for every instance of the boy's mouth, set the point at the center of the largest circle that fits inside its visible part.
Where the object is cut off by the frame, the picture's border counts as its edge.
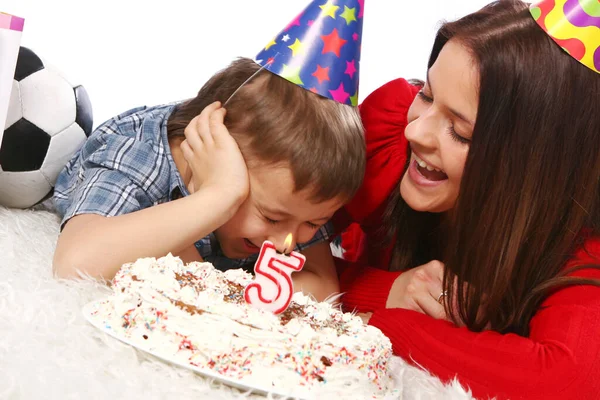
(250, 245)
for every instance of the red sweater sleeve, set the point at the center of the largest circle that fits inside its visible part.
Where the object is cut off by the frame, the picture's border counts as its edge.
(383, 114)
(365, 289)
(559, 360)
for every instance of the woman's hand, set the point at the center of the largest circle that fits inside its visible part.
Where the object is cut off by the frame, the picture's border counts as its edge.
(213, 155)
(420, 289)
(365, 317)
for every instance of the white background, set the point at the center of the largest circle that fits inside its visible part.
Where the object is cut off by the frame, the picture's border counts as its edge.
(144, 52)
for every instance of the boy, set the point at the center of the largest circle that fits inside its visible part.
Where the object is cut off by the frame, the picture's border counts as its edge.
(278, 160)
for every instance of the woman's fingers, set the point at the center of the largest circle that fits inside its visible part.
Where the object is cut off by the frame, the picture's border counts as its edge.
(436, 290)
(435, 269)
(431, 307)
(431, 298)
(365, 317)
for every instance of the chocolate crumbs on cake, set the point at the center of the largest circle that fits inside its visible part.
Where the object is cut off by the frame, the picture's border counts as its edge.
(338, 326)
(145, 337)
(235, 286)
(189, 279)
(326, 361)
(135, 278)
(319, 377)
(294, 310)
(187, 307)
(236, 293)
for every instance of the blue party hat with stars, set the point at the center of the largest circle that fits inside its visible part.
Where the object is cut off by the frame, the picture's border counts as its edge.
(320, 49)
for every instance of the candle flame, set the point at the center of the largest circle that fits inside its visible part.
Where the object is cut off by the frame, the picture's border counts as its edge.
(287, 244)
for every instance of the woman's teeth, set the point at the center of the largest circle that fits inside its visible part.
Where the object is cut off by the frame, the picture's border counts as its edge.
(423, 164)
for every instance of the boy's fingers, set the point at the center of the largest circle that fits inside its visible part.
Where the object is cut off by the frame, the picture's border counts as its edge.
(203, 124)
(187, 151)
(216, 123)
(192, 138)
(187, 174)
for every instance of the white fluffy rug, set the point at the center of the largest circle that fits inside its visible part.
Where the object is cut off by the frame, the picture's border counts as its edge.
(48, 350)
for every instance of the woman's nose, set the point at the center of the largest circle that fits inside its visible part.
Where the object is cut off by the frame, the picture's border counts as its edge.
(423, 129)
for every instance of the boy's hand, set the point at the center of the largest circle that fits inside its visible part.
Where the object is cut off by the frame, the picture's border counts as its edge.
(213, 156)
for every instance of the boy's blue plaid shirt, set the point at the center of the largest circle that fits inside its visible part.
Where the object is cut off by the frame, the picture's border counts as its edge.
(125, 166)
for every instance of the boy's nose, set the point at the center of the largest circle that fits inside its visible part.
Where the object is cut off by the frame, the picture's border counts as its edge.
(284, 243)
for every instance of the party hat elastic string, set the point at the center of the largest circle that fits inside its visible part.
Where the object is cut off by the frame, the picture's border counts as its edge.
(249, 79)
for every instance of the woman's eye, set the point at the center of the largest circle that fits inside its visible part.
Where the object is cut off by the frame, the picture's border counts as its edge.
(456, 137)
(312, 226)
(424, 97)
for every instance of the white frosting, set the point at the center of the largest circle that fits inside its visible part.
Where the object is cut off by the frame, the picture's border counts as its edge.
(196, 314)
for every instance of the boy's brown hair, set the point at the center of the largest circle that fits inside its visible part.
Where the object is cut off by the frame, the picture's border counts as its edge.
(276, 122)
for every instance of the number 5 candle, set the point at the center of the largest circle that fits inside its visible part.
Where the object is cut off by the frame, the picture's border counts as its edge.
(272, 287)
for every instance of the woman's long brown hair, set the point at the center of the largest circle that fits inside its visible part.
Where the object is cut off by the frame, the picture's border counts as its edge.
(530, 192)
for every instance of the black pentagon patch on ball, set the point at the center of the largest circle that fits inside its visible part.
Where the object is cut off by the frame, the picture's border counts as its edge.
(84, 116)
(24, 147)
(27, 63)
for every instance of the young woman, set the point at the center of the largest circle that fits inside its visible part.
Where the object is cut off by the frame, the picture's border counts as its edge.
(487, 178)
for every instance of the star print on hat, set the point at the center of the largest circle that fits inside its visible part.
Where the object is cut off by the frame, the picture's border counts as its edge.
(320, 49)
(574, 25)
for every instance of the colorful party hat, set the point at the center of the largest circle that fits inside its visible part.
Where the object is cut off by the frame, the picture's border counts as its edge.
(574, 25)
(320, 49)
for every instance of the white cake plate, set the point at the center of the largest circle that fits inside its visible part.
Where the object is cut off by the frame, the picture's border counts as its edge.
(88, 310)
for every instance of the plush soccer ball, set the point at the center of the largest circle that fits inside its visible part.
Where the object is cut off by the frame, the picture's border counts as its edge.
(48, 121)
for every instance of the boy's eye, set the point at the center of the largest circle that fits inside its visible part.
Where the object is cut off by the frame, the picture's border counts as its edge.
(271, 221)
(312, 226)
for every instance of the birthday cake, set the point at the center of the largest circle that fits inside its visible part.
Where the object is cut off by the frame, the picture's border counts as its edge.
(196, 315)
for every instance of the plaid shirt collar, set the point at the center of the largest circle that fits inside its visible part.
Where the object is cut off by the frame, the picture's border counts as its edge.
(177, 188)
